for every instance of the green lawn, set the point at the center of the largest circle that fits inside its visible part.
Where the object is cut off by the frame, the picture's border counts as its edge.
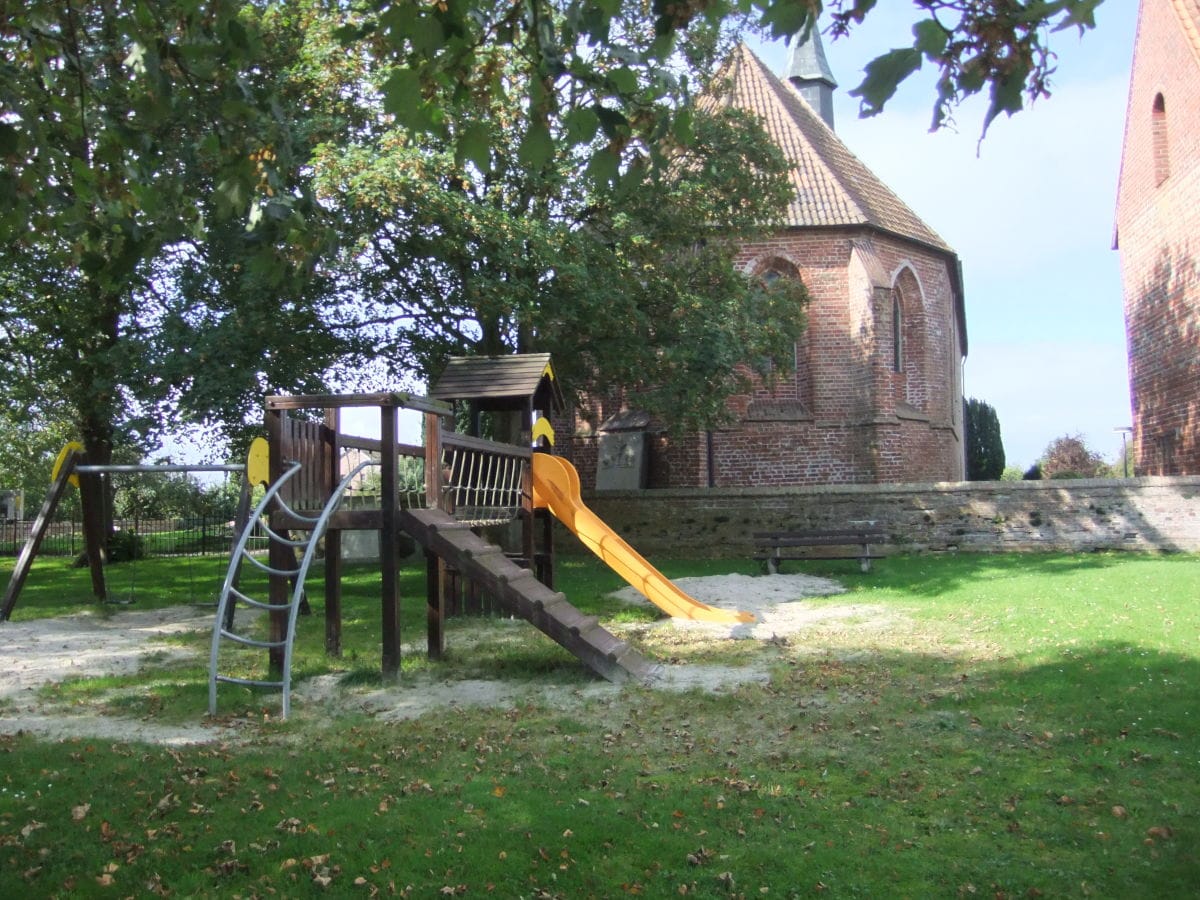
(1000, 726)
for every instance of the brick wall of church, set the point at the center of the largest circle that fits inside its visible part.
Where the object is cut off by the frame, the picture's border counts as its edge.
(1158, 228)
(845, 416)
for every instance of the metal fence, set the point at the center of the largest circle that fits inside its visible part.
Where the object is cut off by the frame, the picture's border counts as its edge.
(185, 536)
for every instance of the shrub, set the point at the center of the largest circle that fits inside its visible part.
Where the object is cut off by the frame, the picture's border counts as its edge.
(985, 449)
(1069, 457)
(125, 546)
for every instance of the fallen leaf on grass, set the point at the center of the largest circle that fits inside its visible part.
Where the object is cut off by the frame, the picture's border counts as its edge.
(291, 826)
(33, 826)
(1163, 832)
(79, 812)
(227, 867)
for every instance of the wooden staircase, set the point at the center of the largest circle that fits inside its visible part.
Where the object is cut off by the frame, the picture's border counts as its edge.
(519, 592)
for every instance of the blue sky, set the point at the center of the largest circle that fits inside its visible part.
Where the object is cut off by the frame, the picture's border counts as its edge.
(1030, 211)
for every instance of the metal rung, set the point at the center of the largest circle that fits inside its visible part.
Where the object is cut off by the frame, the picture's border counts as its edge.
(258, 604)
(276, 536)
(251, 642)
(249, 682)
(263, 567)
(312, 520)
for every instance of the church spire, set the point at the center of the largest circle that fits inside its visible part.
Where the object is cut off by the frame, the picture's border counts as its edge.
(808, 70)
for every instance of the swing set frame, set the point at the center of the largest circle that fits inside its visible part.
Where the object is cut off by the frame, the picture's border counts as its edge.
(72, 468)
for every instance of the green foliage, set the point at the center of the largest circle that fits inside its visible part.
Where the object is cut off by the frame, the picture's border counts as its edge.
(125, 546)
(1069, 457)
(458, 251)
(495, 176)
(144, 135)
(30, 439)
(985, 449)
(1000, 48)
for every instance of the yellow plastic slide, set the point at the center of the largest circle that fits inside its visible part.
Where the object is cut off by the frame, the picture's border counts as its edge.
(556, 487)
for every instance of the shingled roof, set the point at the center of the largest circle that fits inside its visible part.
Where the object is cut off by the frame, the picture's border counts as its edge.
(833, 186)
(499, 379)
(1189, 18)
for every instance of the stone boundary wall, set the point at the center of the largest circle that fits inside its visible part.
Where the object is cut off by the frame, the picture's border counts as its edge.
(1075, 515)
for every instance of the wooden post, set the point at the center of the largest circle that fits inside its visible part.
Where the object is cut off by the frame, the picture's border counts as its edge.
(433, 461)
(528, 544)
(279, 556)
(437, 582)
(389, 502)
(333, 543)
(546, 575)
(435, 606)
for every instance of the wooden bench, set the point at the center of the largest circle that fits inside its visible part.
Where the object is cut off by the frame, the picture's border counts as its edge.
(845, 543)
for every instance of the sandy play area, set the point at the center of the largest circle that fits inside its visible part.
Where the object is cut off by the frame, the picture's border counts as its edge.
(43, 651)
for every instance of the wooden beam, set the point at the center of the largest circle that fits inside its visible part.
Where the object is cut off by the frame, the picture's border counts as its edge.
(389, 501)
(333, 543)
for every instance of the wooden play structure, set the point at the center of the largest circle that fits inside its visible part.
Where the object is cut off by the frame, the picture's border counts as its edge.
(480, 511)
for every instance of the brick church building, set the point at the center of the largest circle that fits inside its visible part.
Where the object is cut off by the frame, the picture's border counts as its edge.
(877, 391)
(1158, 236)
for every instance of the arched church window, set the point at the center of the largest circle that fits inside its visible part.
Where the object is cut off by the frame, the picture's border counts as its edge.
(1160, 147)
(776, 270)
(897, 332)
(770, 273)
(910, 347)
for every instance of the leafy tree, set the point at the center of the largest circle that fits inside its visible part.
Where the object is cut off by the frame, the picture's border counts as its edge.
(622, 268)
(94, 151)
(135, 131)
(30, 438)
(138, 135)
(985, 449)
(1069, 457)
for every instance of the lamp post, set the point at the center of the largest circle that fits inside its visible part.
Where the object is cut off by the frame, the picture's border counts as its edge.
(1125, 430)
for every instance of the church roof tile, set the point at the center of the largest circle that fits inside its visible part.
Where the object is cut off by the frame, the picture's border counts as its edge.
(833, 186)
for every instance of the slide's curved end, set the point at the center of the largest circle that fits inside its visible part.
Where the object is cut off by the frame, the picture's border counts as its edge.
(556, 487)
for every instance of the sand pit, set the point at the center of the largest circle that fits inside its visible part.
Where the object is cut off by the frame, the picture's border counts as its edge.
(43, 651)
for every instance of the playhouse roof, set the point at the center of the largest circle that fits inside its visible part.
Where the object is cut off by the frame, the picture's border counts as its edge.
(833, 186)
(500, 381)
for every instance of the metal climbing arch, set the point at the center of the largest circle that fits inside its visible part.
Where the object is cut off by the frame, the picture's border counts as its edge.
(223, 625)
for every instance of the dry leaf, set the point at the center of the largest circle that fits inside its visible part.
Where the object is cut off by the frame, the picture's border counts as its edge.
(31, 828)
(78, 812)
